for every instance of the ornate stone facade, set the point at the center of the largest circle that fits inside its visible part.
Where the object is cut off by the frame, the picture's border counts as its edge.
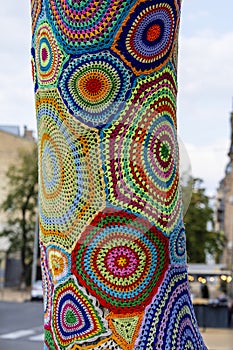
(225, 206)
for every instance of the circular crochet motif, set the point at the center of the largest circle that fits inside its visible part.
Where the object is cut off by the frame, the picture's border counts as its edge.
(71, 180)
(94, 86)
(59, 263)
(87, 25)
(169, 321)
(178, 244)
(76, 317)
(140, 151)
(49, 57)
(146, 39)
(47, 286)
(121, 259)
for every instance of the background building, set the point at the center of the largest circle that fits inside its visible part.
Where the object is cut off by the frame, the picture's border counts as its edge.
(11, 142)
(224, 207)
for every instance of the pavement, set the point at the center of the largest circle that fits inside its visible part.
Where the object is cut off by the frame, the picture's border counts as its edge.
(215, 338)
(15, 294)
(21, 325)
(218, 338)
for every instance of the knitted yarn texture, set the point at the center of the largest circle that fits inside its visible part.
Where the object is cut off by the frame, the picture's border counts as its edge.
(112, 238)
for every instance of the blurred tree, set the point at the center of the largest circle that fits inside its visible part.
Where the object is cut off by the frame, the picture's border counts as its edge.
(198, 221)
(20, 206)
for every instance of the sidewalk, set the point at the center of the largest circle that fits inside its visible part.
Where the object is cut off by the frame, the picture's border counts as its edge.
(14, 294)
(218, 338)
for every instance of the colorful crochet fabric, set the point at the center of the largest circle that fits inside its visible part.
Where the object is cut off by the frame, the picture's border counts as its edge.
(49, 343)
(76, 316)
(59, 263)
(169, 321)
(49, 57)
(71, 178)
(111, 260)
(140, 152)
(94, 87)
(112, 237)
(146, 38)
(35, 11)
(47, 286)
(88, 25)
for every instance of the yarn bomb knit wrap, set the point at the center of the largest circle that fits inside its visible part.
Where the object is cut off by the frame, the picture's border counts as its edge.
(112, 238)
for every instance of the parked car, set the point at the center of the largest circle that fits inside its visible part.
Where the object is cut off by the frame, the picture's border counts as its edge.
(37, 290)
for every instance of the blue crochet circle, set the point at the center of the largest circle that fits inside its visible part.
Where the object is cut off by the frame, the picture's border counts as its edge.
(94, 87)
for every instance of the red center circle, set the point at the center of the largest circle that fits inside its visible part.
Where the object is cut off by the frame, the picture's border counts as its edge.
(153, 33)
(44, 54)
(93, 85)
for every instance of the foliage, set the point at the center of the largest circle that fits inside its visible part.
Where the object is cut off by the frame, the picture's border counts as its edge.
(198, 219)
(20, 207)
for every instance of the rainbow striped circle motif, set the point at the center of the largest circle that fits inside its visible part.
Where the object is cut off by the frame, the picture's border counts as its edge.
(49, 57)
(94, 87)
(169, 321)
(146, 39)
(76, 317)
(121, 259)
(72, 188)
(141, 152)
(88, 25)
(59, 263)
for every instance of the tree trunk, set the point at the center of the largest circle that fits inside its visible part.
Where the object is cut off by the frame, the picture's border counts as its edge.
(23, 251)
(111, 229)
(25, 265)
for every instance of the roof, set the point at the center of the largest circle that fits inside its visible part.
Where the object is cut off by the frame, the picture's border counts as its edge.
(11, 129)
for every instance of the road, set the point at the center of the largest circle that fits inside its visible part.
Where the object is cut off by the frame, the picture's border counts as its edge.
(21, 325)
(21, 328)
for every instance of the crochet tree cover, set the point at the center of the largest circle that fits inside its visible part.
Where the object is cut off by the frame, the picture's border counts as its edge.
(112, 239)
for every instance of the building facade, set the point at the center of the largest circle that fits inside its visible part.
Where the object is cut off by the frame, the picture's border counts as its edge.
(225, 206)
(11, 142)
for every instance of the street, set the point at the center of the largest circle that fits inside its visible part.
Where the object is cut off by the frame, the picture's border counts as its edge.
(21, 325)
(21, 328)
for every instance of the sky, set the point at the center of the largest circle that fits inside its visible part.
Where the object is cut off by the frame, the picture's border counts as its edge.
(205, 75)
(206, 86)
